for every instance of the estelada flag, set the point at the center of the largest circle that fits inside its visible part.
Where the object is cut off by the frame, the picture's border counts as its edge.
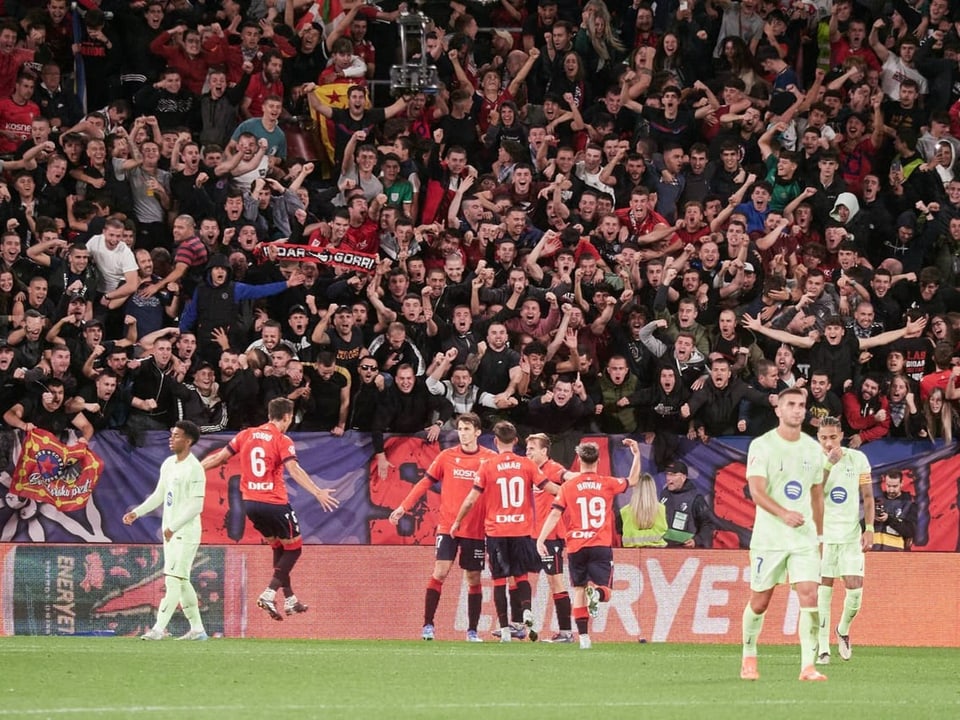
(334, 95)
(50, 472)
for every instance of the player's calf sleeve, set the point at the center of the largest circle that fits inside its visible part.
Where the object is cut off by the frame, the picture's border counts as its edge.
(190, 605)
(808, 629)
(851, 606)
(171, 599)
(582, 617)
(824, 600)
(561, 602)
(500, 601)
(752, 625)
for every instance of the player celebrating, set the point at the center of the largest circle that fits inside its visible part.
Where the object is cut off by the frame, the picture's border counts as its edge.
(264, 452)
(847, 473)
(181, 489)
(509, 479)
(785, 475)
(538, 450)
(456, 470)
(586, 505)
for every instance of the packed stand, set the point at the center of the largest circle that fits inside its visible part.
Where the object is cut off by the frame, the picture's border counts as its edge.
(608, 218)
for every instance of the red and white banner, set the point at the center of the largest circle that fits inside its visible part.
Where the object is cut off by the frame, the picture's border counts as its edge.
(50, 472)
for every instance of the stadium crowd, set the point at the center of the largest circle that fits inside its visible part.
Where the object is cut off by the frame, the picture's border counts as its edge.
(609, 219)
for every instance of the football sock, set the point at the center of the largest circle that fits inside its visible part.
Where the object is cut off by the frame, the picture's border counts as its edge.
(604, 592)
(431, 600)
(190, 605)
(824, 598)
(752, 625)
(851, 606)
(281, 572)
(171, 599)
(561, 602)
(516, 610)
(808, 629)
(582, 618)
(524, 594)
(500, 601)
(474, 605)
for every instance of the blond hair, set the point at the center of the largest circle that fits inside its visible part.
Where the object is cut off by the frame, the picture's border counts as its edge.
(644, 503)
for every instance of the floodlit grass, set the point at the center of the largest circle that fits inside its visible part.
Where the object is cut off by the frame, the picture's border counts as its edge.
(107, 678)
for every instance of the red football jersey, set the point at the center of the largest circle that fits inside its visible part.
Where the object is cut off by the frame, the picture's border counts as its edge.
(15, 122)
(507, 482)
(543, 501)
(456, 471)
(263, 451)
(587, 505)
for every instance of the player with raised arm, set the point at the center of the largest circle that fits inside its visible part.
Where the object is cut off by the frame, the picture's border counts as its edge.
(180, 489)
(538, 450)
(506, 482)
(264, 452)
(586, 506)
(785, 475)
(455, 469)
(848, 481)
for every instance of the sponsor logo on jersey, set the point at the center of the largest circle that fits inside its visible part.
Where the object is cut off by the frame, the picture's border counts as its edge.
(262, 486)
(507, 518)
(838, 495)
(793, 489)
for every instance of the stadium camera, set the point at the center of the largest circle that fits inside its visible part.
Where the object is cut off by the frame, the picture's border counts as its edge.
(413, 75)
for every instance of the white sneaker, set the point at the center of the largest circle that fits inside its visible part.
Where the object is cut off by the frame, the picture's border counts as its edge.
(152, 634)
(195, 635)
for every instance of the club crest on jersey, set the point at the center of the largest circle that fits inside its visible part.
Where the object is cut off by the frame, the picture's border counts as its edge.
(793, 489)
(838, 495)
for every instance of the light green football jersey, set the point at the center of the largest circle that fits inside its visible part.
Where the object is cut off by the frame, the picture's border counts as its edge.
(841, 504)
(180, 481)
(791, 469)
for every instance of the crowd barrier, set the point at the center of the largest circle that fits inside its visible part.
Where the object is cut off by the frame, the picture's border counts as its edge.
(79, 495)
(660, 595)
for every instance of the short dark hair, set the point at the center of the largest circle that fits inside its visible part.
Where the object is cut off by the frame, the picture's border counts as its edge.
(189, 429)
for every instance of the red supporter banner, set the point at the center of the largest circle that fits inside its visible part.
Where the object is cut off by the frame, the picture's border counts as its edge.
(659, 595)
(344, 259)
(50, 472)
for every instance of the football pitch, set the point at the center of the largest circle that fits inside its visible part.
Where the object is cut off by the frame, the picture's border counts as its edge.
(105, 678)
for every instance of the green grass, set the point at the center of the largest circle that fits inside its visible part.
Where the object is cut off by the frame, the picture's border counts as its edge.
(107, 678)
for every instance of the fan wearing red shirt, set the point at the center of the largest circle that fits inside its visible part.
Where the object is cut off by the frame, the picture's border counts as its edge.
(264, 452)
(538, 450)
(507, 482)
(456, 470)
(17, 113)
(586, 505)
